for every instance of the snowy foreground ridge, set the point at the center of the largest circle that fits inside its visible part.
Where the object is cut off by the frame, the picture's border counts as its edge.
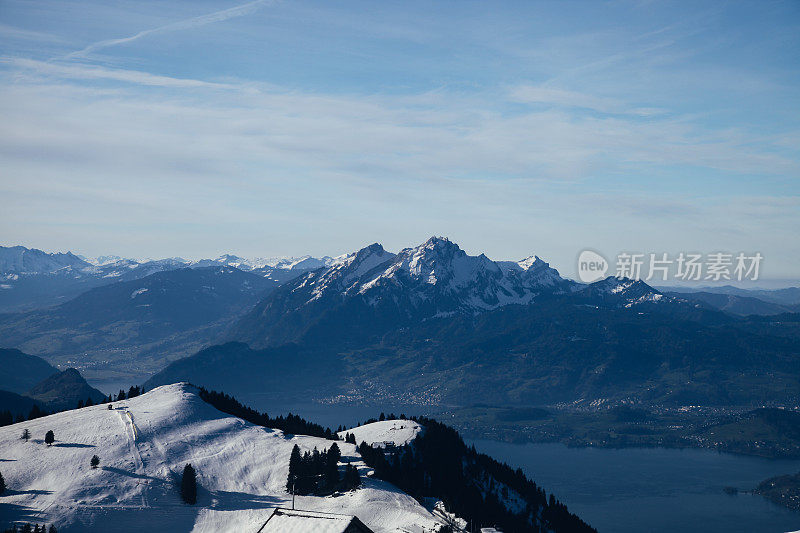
(395, 432)
(143, 445)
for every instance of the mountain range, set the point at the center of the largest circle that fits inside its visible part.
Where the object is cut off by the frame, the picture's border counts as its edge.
(429, 324)
(432, 324)
(31, 278)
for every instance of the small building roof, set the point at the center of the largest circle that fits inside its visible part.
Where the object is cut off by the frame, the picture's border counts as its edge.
(296, 521)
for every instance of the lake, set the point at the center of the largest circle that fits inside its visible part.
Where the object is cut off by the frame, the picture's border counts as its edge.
(653, 489)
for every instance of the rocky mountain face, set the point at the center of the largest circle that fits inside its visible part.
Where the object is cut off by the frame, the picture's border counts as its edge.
(373, 290)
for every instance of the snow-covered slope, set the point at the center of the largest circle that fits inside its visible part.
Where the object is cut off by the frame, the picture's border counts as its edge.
(143, 445)
(397, 432)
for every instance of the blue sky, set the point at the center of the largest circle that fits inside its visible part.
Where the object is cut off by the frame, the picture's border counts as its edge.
(268, 128)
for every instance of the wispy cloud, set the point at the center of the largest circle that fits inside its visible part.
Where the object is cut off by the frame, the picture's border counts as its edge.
(12, 32)
(202, 20)
(542, 94)
(73, 71)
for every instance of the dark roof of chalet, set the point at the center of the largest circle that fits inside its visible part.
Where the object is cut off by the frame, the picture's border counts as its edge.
(297, 521)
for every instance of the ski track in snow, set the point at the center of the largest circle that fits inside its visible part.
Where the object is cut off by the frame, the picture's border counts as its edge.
(127, 421)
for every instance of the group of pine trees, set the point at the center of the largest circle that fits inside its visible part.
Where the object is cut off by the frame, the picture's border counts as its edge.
(472, 485)
(27, 528)
(7, 417)
(291, 424)
(317, 472)
(133, 392)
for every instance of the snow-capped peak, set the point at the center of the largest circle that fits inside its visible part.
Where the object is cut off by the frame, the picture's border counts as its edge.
(341, 275)
(531, 262)
(628, 291)
(437, 261)
(437, 275)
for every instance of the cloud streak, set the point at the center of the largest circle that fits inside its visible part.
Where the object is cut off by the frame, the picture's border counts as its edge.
(202, 20)
(73, 71)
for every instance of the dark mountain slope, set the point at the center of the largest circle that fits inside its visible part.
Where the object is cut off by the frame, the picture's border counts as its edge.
(20, 371)
(282, 372)
(554, 351)
(557, 350)
(140, 323)
(64, 390)
(15, 404)
(735, 304)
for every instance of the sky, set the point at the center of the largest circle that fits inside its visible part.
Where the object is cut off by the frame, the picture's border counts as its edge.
(265, 128)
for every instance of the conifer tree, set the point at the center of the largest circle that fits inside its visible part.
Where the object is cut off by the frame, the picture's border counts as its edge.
(331, 467)
(295, 465)
(26, 435)
(35, 412)
(189, 485)
(52, 529)
(2, 484)
(95, 461)
(121, 395)
(49, 437)
(351, 478)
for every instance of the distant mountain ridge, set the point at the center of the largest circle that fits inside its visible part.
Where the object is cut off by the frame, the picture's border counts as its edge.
(21, 260)
(31, 278)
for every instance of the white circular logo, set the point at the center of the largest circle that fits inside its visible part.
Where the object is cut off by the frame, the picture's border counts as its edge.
(591, 266)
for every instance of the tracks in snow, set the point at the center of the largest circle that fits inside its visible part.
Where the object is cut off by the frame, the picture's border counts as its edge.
(133, 434)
